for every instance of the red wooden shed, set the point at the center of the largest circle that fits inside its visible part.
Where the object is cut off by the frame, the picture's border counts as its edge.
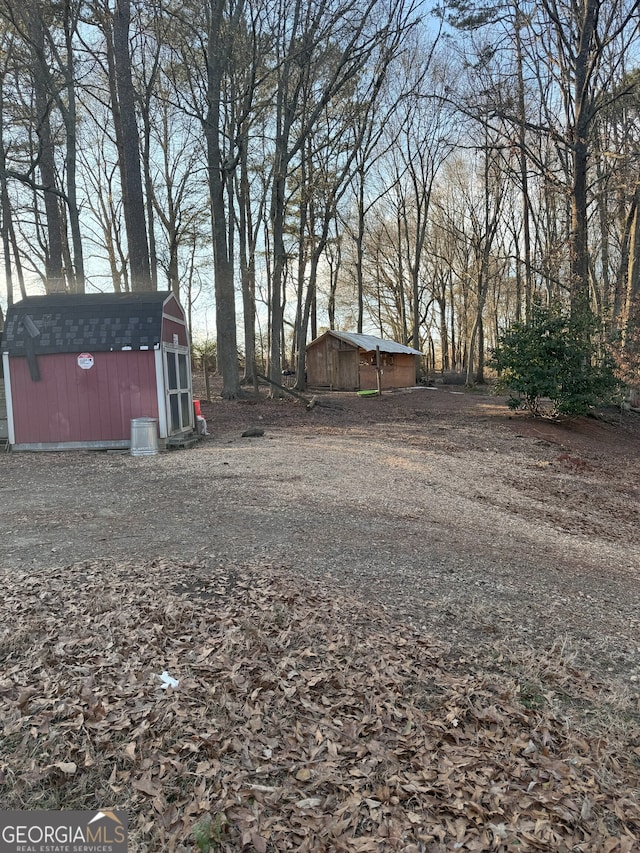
(79, 368)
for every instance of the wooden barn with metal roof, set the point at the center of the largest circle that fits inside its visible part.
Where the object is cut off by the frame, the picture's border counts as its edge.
(78, 368)
(346, 361)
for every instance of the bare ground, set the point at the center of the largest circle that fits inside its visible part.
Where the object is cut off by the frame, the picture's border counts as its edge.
(514, 543)
(465, 518)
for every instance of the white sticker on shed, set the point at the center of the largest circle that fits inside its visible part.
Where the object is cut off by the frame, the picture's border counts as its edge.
(85, 360)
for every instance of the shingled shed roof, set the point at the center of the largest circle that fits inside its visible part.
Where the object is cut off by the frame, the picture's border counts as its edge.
(369, 343)
(98, 322)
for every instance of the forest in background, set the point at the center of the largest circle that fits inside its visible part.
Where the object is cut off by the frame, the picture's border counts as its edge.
(425, 172)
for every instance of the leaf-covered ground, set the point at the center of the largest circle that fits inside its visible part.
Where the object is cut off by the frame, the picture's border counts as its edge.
(302, 720)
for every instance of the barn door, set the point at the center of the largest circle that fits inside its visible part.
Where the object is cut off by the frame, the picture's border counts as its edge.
(178, 389)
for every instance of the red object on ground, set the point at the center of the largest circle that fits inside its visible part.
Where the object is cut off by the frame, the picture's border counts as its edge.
(196, 408)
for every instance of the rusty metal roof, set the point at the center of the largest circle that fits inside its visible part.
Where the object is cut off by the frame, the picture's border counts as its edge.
(370, 343)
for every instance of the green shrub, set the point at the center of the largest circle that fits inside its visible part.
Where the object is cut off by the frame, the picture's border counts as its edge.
(553, 357)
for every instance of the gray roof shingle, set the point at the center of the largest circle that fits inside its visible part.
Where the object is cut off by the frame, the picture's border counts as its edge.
(96, 322)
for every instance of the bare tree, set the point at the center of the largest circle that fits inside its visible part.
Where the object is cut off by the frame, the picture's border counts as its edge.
(127, 136)
(587, 41)
(46, 149)
(49, 37)
(219, 163)
(308, 48)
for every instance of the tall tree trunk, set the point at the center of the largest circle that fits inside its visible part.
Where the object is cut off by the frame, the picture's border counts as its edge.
(306, 229)
(578, 236)
(147, 113)
(279, 259)
(524, 176)
(46, 159)
(5, 205)
(360, 175)
(285, 107)
(632, 300)
(227, 347)
(605, 289)
(247, 239)
(301, 369)
(132, 195)
(479, 377)
(578, 233)
(579, 65)
(335, 263)
(149, 196)
(69, 114)
(444, 332)
(622, 273)
(455, 359)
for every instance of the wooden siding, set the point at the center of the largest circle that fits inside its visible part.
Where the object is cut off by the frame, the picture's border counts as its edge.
(171, 328)
(398, 370)
(173, 309)
(345, 369)
(332, 363)
(316, 363)
(72, 404)
(4, 424)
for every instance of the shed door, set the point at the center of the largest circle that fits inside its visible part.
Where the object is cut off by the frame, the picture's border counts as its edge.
(345, 369)
(177, 371)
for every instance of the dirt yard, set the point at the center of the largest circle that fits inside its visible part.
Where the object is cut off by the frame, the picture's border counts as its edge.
(510, 546)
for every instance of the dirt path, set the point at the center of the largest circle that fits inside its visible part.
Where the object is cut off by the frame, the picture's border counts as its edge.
(492, 531)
